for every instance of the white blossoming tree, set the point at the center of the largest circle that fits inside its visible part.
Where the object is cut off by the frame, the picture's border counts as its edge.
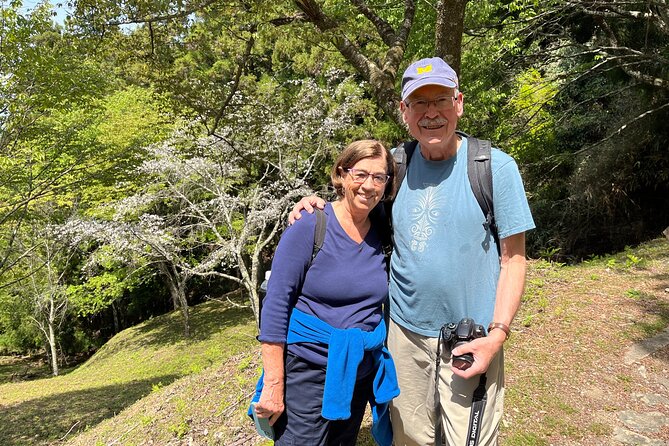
(213, 205)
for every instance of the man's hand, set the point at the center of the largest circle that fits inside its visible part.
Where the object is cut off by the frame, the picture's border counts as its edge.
(483, 350)
(307, 204)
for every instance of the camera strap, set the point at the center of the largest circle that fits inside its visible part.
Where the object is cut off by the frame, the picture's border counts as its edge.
(437, 424)
(478, 405)
(476, 417)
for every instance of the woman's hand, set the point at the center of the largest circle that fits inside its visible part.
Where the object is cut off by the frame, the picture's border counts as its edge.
(271, 401)
(307, 204)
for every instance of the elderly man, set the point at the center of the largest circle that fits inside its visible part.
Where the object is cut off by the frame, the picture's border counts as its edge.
(442, 271)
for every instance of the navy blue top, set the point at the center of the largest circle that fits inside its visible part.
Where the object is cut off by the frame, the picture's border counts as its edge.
(344, 287)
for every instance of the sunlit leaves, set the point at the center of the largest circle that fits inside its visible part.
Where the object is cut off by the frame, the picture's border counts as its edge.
(530, 123)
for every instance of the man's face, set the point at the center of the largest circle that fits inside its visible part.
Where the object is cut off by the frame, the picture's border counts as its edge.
(435, 126)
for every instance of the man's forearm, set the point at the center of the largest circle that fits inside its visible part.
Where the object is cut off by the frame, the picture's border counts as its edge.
(511, 283)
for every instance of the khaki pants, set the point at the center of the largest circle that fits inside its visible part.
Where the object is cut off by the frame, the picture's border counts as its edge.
(413, 412)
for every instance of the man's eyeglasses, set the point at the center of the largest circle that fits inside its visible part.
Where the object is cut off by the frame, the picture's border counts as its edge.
(443, 103)
(360, 176)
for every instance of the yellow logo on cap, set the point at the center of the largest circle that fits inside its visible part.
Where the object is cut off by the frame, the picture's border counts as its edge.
(425, 69)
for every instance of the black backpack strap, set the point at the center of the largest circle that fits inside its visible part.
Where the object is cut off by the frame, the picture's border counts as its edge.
(381, 222)
(319, 233)
(479, 170)
(402, 155)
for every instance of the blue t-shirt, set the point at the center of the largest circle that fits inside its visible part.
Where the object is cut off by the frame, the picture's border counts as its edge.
(345, 286)
(445, 265)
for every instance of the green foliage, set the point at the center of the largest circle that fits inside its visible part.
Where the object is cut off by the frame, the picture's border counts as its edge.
(633, 260)
(97, 293)
(529, 124)
(488, 63)
(18, 334)
(633, 294)
(68, 140)
(130, 119)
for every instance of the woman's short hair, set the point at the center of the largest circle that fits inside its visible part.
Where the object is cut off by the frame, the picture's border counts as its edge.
(356, 151)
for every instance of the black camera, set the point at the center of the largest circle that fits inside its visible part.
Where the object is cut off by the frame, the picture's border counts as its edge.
(455, 335)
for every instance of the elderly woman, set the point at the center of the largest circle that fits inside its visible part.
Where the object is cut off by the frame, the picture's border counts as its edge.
(322, 327)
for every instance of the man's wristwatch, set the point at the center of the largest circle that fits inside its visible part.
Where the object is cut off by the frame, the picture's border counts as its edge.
(505, 328)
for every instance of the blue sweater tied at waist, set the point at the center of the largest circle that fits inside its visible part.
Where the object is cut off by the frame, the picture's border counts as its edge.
(346, 349)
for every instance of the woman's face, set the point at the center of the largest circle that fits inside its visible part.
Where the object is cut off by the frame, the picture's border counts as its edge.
(364, 184)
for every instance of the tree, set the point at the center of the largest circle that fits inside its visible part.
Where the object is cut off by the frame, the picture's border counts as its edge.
(604, 181)
(374, 39)
(43, 286)
(70, 137)
(214, 204)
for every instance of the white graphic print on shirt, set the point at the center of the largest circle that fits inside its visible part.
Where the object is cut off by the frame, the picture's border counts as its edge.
(424, 217)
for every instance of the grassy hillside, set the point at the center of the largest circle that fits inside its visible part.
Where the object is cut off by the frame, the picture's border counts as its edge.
(136, 365)
(565, 360)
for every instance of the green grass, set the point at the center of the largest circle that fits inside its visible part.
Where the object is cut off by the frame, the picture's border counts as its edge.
(150, 385)
(576, 322)
(135, 363)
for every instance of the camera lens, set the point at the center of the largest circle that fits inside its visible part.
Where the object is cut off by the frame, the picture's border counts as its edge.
(463, 362)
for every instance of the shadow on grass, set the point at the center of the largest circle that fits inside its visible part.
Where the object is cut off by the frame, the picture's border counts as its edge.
(45, 420)
(209, 319)
(657, 302)
(29, 368)
(15, 368)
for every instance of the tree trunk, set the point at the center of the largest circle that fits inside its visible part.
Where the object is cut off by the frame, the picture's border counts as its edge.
(448, 31)
(52, 347)
(255, 305)
(177, 288)
(179, 295)
(117, 328)
(184, 309)
(383, 88)
(174, 296)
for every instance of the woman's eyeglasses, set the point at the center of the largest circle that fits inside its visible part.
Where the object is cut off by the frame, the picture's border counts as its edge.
(360, 176)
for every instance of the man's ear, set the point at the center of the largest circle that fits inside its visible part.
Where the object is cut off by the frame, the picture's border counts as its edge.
(460, 105)
(403, 109)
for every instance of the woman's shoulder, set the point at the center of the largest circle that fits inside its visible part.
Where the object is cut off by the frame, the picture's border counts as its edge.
(307, 221)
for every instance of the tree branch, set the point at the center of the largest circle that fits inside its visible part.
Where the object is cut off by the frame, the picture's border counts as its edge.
(386, 32)
(241, 66)
(622, 128)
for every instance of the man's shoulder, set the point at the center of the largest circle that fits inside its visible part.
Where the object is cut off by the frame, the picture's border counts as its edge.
(501, 161)
(498, 157)
(403, 145)
(499, 154)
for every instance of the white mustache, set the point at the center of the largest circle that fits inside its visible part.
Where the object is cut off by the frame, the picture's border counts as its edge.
(432, 122)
